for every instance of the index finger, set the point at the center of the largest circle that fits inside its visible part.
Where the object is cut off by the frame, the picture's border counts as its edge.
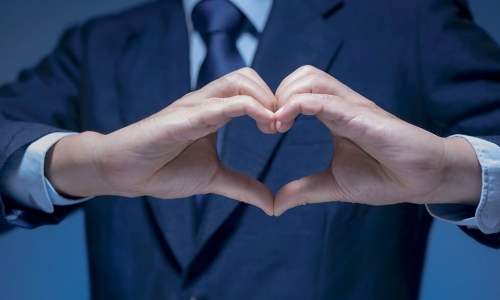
(309, 80)
(244, 82)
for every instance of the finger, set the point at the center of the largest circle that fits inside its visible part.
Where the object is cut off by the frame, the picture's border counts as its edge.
(313, 104)
(306, 104)
(208, 117)
(363, 126)
(250, 73)
(340, 116)
(316, 188)
(317, 83)
(295, 75)
(239, 186)
(267, 128)
(313, 81)
(220, 111)
(215, 111)
(241, 82)
(243, 105)
(283, 126)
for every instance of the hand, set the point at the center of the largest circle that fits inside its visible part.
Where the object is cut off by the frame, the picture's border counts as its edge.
(378, 159)
(171, 154)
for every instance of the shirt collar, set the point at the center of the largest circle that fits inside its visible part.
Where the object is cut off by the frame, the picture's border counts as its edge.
(256, 11)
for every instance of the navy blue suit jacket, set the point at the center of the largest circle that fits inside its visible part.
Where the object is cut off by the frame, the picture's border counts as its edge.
(422, 60)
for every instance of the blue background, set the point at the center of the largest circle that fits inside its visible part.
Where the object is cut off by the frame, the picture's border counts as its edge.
(51, 262)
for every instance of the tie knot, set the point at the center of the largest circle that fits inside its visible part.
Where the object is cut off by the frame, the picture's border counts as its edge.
(213, 16)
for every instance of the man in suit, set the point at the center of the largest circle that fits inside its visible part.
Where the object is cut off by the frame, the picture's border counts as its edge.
(124, 82)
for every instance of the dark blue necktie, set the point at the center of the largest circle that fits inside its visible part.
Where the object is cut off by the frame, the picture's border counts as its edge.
(218, 22)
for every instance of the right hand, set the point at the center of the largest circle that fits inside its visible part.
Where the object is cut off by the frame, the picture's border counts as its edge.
(171, 154)
(378, 159)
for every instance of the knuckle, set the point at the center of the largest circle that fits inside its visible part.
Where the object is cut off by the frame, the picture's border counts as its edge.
(247, 100)
(315, 79)
(233, 78)
(207, 102)
(391, 116)
(247, 70)
(371, 105)
(296, 100)
(212, 101)
(326, 98)
(188, 95)
(320, 79)
(307, 69)
(303, 191)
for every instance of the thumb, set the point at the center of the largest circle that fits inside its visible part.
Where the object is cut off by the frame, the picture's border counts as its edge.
(239, 186)
(317, 188)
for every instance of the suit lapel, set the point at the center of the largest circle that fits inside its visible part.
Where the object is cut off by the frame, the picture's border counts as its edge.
(296, 34)
(153, 72)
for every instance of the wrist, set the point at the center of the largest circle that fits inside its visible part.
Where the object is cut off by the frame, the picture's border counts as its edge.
(463, 176)
(71, 166)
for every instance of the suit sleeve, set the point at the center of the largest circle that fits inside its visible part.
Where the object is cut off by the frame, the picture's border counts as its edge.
(43, 100)
(459, 68)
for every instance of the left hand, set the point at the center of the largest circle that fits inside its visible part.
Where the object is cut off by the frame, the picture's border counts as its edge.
(378, 159)
(172, 153)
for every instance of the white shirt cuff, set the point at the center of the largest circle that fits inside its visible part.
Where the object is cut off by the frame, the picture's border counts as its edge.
(486, 217)
(24, 181)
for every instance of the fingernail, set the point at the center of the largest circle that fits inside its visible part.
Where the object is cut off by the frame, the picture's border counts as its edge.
(272, 126)
(278, 125)
(279, 110)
